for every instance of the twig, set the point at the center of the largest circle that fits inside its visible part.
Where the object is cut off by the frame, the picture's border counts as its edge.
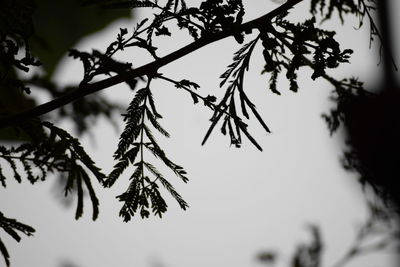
(149, 68)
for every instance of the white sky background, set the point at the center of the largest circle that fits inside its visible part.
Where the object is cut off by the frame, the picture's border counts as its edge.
(242, 201)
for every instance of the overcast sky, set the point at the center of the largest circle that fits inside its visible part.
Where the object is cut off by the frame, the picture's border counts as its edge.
(242, 201)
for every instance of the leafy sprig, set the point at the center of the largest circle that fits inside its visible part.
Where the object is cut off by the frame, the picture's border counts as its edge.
(305, 39)
(12, 227)
(226, 108)
(55, 151)
(143, 192)
(345, 7)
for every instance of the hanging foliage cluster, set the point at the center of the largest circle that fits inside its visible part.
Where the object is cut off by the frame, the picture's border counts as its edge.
(44, 148)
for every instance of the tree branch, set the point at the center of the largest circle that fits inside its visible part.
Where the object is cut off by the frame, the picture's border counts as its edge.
(149, 68)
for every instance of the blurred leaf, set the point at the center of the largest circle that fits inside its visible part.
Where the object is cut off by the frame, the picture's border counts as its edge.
(16, 17)
(59, 25)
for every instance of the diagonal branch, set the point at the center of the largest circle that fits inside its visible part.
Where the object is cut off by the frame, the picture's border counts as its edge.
(149, 68)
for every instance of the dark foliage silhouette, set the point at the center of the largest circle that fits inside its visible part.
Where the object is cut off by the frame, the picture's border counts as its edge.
(42, 148)
(377, 233)
(371, 121)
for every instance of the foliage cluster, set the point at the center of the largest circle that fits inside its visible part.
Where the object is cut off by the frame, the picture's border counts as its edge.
(45, 148)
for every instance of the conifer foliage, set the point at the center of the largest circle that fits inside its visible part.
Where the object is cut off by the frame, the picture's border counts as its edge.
(44, 148)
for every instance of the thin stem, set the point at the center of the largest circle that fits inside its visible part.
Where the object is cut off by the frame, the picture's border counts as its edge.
(149, 68)
(142, 132)
(305, 43)
(47, 163)
(20, 158)
(211, 105)
(176, 17)
(388, 56)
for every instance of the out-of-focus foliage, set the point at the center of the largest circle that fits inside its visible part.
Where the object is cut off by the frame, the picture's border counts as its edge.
(59, 25)
(16, 27)
(32, 33)
(53, 150)
(370, 116)
(40, 33)
(379, 231)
